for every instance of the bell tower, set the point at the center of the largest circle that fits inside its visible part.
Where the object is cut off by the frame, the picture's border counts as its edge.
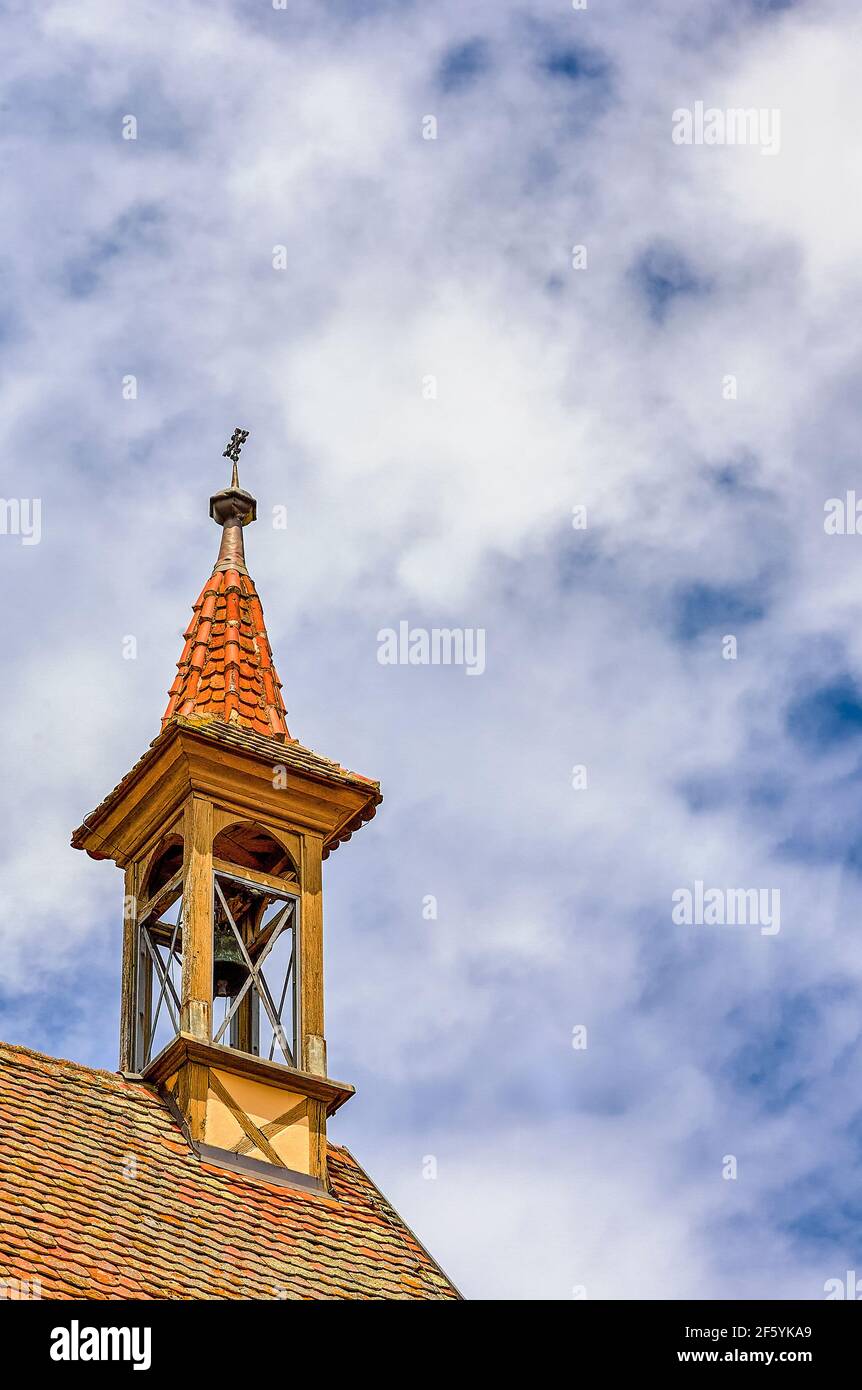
(222, 828)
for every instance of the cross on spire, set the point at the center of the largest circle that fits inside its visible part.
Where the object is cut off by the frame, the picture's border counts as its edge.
(232, 452)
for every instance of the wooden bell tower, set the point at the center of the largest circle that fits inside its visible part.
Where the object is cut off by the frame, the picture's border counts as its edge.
(222, 828)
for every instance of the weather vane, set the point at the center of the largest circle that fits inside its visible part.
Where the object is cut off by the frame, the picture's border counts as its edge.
(237, 440)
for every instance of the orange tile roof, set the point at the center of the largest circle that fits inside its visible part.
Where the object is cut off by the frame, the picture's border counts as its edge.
(226, 671)
(101, 1197)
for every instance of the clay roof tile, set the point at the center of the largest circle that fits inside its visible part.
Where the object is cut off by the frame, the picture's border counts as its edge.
(217, 642)
(183, 1228)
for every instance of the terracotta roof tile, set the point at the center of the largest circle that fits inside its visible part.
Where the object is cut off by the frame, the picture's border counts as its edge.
(73, 1214)
(227, 642)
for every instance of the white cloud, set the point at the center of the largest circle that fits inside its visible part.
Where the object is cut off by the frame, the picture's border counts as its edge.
(555, 387)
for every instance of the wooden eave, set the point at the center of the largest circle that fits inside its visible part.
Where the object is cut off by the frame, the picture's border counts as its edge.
(184, 1048)
(234, 770)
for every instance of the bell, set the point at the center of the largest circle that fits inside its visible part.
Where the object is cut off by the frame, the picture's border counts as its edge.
(230, 971)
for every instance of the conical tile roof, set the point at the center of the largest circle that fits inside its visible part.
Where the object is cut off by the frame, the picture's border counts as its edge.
(225, 672)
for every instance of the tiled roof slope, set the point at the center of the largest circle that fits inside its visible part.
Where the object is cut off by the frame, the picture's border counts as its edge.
(102, 1198)
(226, 671)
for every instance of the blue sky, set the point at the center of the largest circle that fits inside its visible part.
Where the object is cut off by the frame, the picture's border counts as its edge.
(557, 1169)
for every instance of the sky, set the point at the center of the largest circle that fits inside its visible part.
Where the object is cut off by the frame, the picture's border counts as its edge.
(513, 359)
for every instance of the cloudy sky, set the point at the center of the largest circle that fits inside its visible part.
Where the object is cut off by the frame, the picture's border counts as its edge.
(434, 379)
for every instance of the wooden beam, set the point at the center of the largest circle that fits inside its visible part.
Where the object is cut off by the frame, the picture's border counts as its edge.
(317, 1141)
(311, 943)
(311, 991)
(197, 980)
(160, 900)
(290, 1117)
(191, 1089)
(248, 1127)
(184, 1049)
(128, 986)
(196, 1113)
(286, 885)
(184, 761)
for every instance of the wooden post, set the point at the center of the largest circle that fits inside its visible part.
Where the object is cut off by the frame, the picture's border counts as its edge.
(197, 978)
(317, 1141)
(311, 953)
(129, 986)
(191, 1097)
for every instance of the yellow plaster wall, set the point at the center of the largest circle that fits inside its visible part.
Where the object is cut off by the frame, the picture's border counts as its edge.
(262, 1104)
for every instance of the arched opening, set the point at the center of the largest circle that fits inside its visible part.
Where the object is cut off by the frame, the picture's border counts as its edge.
(167, 860)
(255, 961)
(250, 846)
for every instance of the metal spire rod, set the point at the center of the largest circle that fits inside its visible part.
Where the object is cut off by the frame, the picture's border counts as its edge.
(233, 508)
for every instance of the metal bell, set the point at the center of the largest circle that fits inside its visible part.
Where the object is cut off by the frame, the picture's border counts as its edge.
(230, 971)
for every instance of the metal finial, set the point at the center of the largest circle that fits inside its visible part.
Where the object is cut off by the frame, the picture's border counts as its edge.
(233, 508)
(232, 451)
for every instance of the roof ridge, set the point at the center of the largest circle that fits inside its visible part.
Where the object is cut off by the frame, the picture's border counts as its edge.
(400, 1220)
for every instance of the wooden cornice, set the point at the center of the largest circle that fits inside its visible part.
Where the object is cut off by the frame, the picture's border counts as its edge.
(234, 770)
(184, 1049)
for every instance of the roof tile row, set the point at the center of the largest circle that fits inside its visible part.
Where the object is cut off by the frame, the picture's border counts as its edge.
(225, 671)
(102, 1198)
